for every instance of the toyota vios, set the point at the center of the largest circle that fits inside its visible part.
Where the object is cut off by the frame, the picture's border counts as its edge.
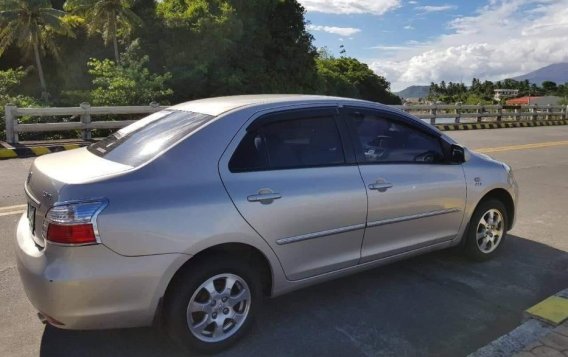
(192, 215)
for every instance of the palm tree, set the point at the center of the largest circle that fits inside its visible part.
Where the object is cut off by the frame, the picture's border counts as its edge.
(110, 18)
(31, 25)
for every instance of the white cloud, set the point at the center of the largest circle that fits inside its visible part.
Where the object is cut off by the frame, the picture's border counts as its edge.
(375, 7)
(341, 31)
(412, 2)
(409, 27)
(503, 39)
(435, 8)
(389, 48)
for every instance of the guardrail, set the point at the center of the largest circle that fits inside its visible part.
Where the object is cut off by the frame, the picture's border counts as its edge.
(84, 113)
(491, 113)
(435, 113)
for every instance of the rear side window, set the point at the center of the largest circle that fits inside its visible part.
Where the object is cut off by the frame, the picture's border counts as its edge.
(146, 138)
(293, 143)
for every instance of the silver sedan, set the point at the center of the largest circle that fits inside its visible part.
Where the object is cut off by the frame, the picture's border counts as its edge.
(190, 216)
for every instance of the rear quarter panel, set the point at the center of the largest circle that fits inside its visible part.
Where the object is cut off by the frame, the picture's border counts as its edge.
(175, 204)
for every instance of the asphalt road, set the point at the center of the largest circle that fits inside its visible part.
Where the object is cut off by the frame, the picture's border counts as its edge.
(438, 304)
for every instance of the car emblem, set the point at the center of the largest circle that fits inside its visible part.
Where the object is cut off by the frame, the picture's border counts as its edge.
(47, 195)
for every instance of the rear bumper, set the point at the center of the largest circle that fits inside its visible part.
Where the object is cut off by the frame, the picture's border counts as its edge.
(92, 287)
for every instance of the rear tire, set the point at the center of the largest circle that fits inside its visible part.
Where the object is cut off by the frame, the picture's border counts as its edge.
(486, 231)
(212, 303)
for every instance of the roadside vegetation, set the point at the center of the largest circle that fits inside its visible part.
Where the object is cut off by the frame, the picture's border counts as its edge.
(133, 52)
(127, 52)
(482, 92)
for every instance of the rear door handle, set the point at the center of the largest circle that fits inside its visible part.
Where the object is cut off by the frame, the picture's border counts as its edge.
(264, 196)
(380, 186)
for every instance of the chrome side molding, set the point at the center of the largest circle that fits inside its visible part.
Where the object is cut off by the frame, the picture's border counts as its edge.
(412, 217)
(303, 237)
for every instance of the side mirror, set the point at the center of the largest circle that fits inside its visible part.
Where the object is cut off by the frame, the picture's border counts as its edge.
(457, 154)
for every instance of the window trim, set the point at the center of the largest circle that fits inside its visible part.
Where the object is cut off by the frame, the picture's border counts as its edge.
(349, 158)
(397, 118)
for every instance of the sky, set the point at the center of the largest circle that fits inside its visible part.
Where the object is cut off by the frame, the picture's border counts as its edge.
(415, 42)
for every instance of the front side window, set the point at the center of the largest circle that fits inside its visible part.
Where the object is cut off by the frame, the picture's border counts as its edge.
(292, 143)
(146, 138)
(381, 140)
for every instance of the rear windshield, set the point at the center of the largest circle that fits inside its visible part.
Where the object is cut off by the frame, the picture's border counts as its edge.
(146, 138)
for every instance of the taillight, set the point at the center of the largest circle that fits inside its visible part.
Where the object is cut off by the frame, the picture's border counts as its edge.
(73, 223)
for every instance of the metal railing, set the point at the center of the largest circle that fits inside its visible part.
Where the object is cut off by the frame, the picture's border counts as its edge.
(435, 113)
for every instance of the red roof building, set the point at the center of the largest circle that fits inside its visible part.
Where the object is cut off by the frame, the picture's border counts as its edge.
(520, 101)
(540, 101)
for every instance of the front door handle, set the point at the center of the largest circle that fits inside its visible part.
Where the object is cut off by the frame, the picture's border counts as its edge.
(380, 186)
(264, 196)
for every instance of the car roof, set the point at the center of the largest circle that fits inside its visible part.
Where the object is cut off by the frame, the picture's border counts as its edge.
(219, 105)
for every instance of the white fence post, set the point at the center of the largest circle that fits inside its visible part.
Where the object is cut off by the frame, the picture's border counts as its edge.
(458, 112)
(499, 112)
(565, 115)
(10, 118)
(86, 120)
(548, 111)
(534, 111)
(480, 111)
(433, 111)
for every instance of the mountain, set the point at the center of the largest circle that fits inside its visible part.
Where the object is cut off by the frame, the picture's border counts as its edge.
(414, 92)
(557, 73)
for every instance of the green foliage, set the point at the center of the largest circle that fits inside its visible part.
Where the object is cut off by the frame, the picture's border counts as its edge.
(210, 47)
(32, 26)
(9, 87)
(112, 19)
(347, 77)
(549, 86)
(130, 83)
(227, 47)
(483, 92)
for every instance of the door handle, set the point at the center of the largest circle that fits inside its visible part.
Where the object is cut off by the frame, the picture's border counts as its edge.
(380, 186)
(264, 196)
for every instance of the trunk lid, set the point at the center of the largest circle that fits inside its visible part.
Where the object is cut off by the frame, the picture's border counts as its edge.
(50, 173)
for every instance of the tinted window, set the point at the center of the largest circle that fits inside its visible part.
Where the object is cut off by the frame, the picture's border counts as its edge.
(146, 138)
(383, 140)
(296, 143)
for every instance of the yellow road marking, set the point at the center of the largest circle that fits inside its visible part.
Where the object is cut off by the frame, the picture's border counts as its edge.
(553, 309)
(523, 146)
(12, 208)
(2, 214)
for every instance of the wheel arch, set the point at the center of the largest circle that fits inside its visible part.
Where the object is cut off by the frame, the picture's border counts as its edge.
(248, 252)
(504, 197)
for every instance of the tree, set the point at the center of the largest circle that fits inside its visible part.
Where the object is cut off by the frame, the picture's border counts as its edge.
(237, 47)
(346, 76)
(111, 18)
(128, 83)
(549, 87)
(31, 25)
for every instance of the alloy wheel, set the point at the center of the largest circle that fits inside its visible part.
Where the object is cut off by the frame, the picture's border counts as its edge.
(490, 231)
(218, 308)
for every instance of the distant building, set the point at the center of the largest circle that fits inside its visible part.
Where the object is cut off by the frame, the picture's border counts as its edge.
(540, 101)
(505, 93)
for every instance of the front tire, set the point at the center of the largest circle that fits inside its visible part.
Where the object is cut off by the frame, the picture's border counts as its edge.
(487, 230)
(212, 303)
